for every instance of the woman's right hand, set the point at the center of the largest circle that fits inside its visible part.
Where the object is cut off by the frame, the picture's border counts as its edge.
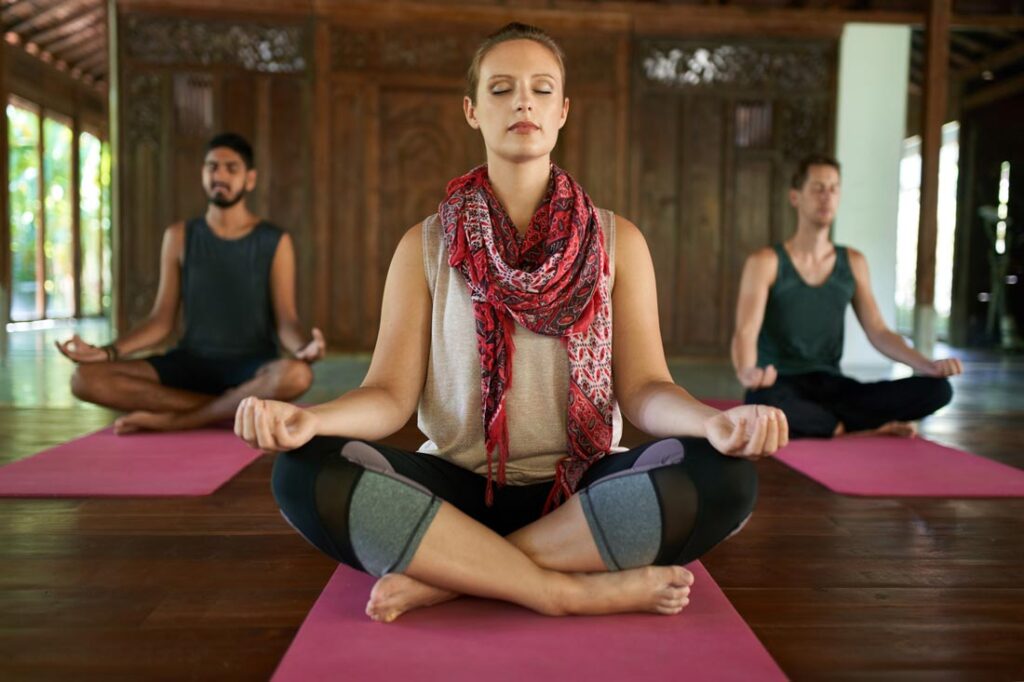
(273, 426)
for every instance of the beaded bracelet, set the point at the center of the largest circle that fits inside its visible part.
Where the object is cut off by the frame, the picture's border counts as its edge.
(111, 350)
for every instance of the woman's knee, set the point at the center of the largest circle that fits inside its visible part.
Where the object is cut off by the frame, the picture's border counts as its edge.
(348, 502)
(294, 482)
(727, 490)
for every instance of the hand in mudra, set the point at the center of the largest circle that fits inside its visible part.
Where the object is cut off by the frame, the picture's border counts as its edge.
(78, 350)
(758, 377)
(751, 431)
(273, 426)
(314, 350)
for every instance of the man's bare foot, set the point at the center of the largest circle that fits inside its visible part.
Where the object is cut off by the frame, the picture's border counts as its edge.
(653, 589)
(897, 429)
(133, 422)
(395, 593)
(894, 429)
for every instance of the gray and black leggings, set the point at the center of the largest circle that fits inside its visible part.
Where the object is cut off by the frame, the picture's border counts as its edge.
(369, 505)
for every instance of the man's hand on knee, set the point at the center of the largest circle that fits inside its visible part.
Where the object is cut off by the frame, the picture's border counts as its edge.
(78, 350)
(946, 367)
(757, 377)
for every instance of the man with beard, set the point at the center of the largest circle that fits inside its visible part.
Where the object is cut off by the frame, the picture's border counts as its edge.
(789, 328)
(235, 275)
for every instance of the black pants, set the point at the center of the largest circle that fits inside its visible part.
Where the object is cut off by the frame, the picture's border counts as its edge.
(703, 498)
(815, 403)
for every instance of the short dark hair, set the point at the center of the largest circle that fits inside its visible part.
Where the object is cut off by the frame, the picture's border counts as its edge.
(804, 165)
(235, 143)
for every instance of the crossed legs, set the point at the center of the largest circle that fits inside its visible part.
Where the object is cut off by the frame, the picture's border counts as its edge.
(552, 565)
(133, 386)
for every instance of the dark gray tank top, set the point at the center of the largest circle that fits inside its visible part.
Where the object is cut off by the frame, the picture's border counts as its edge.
(803, 325)
(225, 289)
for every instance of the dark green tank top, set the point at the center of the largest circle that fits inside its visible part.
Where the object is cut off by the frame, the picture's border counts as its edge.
(803, 325)
(225, 289)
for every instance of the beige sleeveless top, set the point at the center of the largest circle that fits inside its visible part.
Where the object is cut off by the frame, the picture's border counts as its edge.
(449, 408)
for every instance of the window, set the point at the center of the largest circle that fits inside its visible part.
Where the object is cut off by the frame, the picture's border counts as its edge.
(93, 200)
(59, 266)
(23, 186)
(55, 271)
(908, 223)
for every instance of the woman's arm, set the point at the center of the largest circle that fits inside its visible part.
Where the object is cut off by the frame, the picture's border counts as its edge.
(390, 392)
(648, 396)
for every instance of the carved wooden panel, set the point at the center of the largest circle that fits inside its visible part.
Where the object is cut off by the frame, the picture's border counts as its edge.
(253, 46)
(143, 207)
(717, 127)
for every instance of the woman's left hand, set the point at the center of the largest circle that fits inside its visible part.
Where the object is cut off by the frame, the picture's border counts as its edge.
(751, 431)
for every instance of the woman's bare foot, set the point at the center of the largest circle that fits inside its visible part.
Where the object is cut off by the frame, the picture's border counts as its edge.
(653, 589)
(396, 593)
(133, 422)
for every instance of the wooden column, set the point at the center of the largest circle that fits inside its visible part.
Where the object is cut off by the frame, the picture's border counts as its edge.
(934, 101)
(115, 315)
(322, 174)
(76, 217)
(5, 216)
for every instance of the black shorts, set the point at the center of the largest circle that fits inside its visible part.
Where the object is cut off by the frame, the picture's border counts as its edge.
(181, 369)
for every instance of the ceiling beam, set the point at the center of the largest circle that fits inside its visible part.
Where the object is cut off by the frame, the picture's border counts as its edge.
(68, 43)
(93, 60)
(16, 11)
(43, 37)
(995, 92)
(969, 43)
(61, 12)
(993, 61)
(99, 40)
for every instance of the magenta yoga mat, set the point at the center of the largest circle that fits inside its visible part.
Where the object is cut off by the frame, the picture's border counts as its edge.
(900, 467)
(102, 464)
(476, 639)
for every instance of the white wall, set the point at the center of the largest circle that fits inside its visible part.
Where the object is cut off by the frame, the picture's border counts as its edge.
(870, 125)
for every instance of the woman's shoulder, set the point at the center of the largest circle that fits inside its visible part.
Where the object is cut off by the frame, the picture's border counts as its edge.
(629, 240)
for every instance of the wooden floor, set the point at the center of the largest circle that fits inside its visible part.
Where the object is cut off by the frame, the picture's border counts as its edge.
(215, 587)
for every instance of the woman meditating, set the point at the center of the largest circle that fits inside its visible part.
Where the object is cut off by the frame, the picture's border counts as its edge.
(497, 324)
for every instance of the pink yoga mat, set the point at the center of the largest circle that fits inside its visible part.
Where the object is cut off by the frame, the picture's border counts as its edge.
(477, 640)
(140, 465)
(900, 467)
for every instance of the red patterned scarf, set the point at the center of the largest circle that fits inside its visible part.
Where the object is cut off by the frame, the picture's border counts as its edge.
(552, 281)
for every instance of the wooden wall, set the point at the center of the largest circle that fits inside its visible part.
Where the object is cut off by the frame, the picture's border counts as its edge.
(358, 125)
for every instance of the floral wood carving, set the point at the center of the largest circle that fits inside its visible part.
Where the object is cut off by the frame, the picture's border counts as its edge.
(267, 48)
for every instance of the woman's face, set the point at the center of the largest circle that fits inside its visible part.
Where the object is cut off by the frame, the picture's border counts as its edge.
(520, 105)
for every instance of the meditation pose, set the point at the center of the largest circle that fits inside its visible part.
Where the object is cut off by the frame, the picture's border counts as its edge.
(519, 319)
(235, 275)
(789, 328)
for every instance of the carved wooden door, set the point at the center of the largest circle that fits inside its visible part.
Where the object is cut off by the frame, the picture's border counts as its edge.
(716, 129)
